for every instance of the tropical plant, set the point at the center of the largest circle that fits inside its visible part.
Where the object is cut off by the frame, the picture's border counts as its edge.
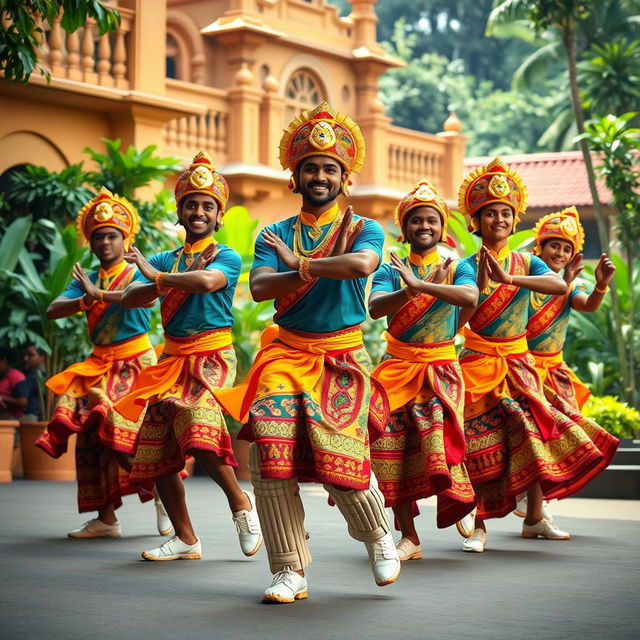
(616, 417)
(20, 33)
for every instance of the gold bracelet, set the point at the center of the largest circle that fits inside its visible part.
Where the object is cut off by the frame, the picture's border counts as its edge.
(100, 295)
(84, 306)
(303, 270)
(158, 278)
(602, 291)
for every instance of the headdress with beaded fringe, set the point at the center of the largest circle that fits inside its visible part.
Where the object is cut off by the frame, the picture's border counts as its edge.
(107, 209)
(564, 225)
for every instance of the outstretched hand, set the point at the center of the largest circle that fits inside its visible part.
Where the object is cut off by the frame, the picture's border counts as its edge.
(405, 272)
(133, 256)
(203, 259)
(81, 277)
(347, 235)
(440, 274)
(284, 252)
(604, 271)
(573, 268)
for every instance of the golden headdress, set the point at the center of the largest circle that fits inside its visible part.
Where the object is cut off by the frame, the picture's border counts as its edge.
(564, 225)
(424, 194)
(202, 177)
(493, 183)
(322, 131)
(108, 210)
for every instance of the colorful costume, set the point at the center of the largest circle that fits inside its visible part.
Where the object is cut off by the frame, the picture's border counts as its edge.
(121, 351)
(515, 438)
(421, 451)
(547, 331)
(198, 357)
(308, 402)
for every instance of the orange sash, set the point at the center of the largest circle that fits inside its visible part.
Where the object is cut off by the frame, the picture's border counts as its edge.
(547, 362)
(298, 352)
(542, 318)
(159, 378)
(99, 363)
(94, 315)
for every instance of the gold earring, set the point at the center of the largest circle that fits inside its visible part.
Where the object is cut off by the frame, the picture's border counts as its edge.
(344, 188)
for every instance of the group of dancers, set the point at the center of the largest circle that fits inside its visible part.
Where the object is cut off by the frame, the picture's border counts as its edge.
(497, 426)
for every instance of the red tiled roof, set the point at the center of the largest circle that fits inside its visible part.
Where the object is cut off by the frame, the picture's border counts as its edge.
(554, 180)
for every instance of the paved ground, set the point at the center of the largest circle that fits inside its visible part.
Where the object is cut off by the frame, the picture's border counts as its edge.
(61, 589)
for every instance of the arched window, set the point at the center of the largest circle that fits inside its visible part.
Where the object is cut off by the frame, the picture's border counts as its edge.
(304, 90)
(173, 58)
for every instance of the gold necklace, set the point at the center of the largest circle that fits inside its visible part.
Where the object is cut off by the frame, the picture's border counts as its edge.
(299, 250)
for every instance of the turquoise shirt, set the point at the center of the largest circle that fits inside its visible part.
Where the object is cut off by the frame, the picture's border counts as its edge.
(551, 340)
(116, 323)
(331, 304)
(202, 311)
(440, 322)
(512, 321)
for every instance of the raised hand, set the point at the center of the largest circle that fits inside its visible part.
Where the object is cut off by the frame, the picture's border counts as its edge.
(133, 256)
(81, 277)
(203, 259)
(494, 270)
(483, 272)
(347, 235)
(573, 268)
(405, 272)
(604, 271)
(440, 274)
(284, 253)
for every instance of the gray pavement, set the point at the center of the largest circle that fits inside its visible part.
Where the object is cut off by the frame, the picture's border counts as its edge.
(56, 588)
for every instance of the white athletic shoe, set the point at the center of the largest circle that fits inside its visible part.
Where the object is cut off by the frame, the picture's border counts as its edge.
(174, 549)
(248, 527)
(475, 543)
(162, 519)
(287, 586)
(407, 550)
(466, 525)
(97, 529)
(384, 560)
(544, 529)
(521, 508)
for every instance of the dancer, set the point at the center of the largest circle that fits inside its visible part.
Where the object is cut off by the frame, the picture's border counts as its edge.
(196, 283)
(516, 441)
(422, 448)
(308, 400)
(121, 351)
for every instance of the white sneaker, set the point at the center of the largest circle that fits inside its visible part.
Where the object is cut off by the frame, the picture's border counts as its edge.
(97, 529)
(546, 512)
(407, 550)
(384, 559)
(521, 505)
(466, 525)
(162, 519)
(544, 529)
(174, 549)
(287, 586)
(248, 527)
(475, 543)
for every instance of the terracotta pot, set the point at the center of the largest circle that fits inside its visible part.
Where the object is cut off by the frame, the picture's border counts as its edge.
(37, 465)
(241, 451)
(7, 436)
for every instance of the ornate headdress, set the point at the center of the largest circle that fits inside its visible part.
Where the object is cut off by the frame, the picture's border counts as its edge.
(108, 210)
(322, 131)
(564, 225)
(202, 177)
(424, 194)
(490, 184)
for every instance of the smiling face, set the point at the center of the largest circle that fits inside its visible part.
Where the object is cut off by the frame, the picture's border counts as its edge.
(320, 180)
(423, 229)
(200, 215)
(556, 253)
(107, 243)
(496, 222)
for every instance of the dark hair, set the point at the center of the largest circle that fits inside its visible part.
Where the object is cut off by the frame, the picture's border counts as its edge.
(40, 351)
(7, 353)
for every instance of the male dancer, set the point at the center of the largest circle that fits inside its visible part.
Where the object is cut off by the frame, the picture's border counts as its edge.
(516, 441)
(422, 449)
(121, 351)
(196, 283)
(308, 401)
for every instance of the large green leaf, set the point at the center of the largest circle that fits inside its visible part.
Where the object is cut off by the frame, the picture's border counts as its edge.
(13, 241)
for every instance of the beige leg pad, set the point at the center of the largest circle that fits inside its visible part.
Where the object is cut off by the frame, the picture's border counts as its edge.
(281, 518)
(363, 510)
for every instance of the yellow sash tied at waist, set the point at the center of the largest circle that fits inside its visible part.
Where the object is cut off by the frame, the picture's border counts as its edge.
(99, 363)
(482, 375)
(403, 375)
(159, 378)
(300, 357)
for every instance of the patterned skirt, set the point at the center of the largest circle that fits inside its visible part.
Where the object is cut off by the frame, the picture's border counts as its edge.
(186, 417)
(515, 439)
(82, 409)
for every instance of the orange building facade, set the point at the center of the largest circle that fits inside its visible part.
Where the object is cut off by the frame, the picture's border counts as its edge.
(227, 76)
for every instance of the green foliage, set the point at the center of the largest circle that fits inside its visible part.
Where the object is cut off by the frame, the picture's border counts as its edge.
(616, 417)
(18, 37)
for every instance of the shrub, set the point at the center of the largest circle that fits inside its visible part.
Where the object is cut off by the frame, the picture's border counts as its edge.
(616, 417)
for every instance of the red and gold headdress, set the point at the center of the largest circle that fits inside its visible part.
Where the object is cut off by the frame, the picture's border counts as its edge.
(564, 225)
(424, 194)
(202, 177)
(322, 131)
(490, 184)
(108, 210)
